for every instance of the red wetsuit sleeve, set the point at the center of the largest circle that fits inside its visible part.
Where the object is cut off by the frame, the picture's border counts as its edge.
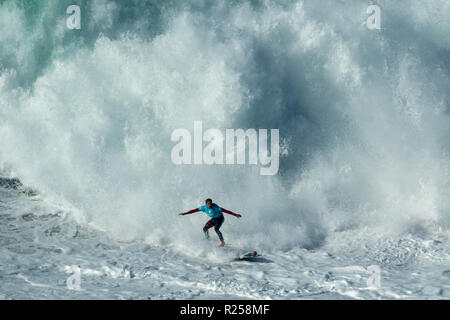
(191, 211)
(230, 212)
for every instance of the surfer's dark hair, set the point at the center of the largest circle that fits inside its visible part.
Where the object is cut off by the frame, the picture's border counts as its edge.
(208, 200)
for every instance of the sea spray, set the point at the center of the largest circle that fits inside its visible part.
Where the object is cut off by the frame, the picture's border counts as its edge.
(87, 114)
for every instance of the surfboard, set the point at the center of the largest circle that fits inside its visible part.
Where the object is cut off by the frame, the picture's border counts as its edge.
(247, 255)
(241, 254)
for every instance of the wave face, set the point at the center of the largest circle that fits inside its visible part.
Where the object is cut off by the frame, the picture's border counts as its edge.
(86, 115)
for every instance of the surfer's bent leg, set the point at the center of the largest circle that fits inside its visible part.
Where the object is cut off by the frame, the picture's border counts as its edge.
(216, 223)
(208, 225)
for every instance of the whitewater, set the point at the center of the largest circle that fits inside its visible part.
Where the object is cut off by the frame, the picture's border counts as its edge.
(86, 177)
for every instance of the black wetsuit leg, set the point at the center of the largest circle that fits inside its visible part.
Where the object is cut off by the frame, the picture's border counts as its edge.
(216, 223)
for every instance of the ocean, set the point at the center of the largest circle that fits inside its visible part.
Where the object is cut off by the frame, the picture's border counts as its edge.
(89, 195)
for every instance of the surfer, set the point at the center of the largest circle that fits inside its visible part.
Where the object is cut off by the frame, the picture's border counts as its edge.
(216, 214)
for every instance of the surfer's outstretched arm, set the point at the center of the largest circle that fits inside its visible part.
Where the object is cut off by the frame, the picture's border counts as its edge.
(188, 212)
(231, 212)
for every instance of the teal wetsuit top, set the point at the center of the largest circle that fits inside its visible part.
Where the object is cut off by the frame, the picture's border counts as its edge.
(214, 212)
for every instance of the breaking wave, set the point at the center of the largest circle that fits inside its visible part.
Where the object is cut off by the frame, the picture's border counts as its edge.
(86, 115)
